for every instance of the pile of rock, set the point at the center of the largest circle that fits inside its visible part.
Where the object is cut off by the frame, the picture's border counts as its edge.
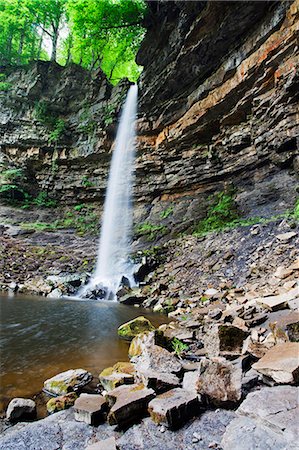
(233, 355)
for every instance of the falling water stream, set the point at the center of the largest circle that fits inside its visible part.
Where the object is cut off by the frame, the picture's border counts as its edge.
(114, 245)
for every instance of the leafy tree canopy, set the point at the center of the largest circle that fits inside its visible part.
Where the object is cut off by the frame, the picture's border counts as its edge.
(92, 33)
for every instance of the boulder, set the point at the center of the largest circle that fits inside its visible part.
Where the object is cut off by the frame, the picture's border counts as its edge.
(174, 408)
(128, 404)
(62, 402)
(280, 363)
(157, 359)
(120, 373)
(220, 381)
(90, 408)
(159, 381)
(144, 340)
(224, 340)
(267, 419)
(132, 297)
(21, 409)
(69, 381)
(130, 329)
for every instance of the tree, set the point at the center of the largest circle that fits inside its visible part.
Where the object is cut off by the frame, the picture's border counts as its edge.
(97, 33)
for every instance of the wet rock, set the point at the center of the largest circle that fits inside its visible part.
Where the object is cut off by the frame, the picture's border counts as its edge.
(71, 380)
(128, 404)
(120, 373)
(21, 409)
(96, 292)
(62, 402)
(280, 363)
(220, 381)
(174, 408)
(56, 293)
(224, 340)
(267, 419)
(134, 296)
(130, 329)
(90, 408)
(105, 444)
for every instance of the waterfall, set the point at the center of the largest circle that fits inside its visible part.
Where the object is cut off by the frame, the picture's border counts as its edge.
(114, 244)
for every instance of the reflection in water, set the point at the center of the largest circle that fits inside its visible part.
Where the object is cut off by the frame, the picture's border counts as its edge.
(40, 338)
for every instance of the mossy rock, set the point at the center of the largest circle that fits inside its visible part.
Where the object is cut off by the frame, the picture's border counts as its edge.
(146, 339)
(120, 373)
(60, 403)
(136, 326)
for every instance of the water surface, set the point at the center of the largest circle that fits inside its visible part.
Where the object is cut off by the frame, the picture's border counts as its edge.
(42, 337)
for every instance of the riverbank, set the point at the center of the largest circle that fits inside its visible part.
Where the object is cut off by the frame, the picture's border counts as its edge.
(232, 297)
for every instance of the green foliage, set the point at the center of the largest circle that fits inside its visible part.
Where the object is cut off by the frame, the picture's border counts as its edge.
(149, 230)
(105, 33)
(5, 86)
(2, 77)
(44, 200)
(79, 207)
(168, 211)
(178, 346)
(221, 213)
(296, 210)
(109, 114)
(12, 174)
(11, 188)
(83, 221)
(58, 130)
(43, 114)
(89, 127)
(86, 182)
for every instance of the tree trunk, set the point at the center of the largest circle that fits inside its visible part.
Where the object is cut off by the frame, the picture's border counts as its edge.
(21, 44)
(54, 43)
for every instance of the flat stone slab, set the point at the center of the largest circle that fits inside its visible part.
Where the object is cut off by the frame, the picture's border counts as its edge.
(159, 381)
(128, 403)
(68, 381)
(268, 419)
(281, 363)
(174, 408)
(286, 237)
(90, 408)
(105, 444)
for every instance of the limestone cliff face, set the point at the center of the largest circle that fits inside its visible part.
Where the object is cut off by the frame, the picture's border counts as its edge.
(218, 107)
(71, 165)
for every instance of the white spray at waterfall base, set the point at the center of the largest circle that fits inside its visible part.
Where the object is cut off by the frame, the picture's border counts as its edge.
(114, 245)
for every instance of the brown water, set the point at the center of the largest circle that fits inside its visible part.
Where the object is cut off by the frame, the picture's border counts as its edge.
(42, 337)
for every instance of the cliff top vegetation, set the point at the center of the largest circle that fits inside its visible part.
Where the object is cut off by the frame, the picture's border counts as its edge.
(96, 34)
